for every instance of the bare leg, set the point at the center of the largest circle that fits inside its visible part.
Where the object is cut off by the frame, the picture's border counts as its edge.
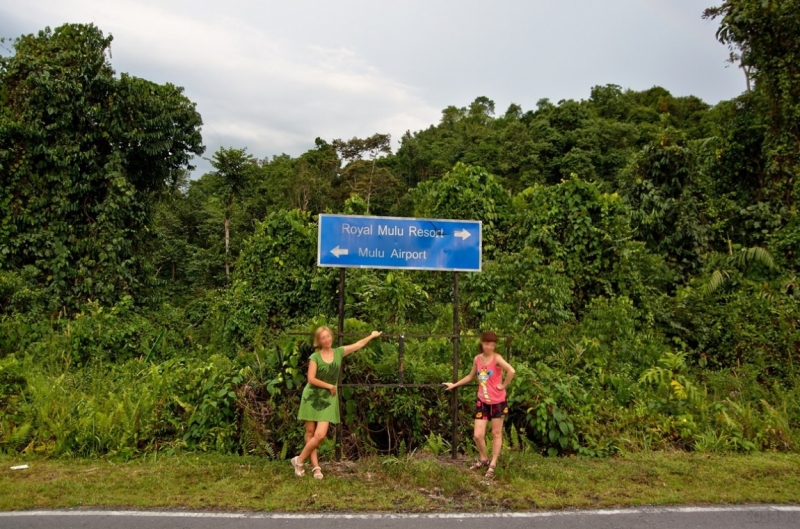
(312, 444)
(310, 429)
(497, 439)
(479, 436)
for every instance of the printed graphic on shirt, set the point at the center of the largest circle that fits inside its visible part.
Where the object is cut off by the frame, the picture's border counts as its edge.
(483, 378)
(319, 398)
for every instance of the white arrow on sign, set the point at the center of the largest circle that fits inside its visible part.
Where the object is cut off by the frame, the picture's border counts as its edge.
(339, 251)
(463, 234)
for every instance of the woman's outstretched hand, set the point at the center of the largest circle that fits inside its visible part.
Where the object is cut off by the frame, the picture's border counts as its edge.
(352, 348)
(448, 385)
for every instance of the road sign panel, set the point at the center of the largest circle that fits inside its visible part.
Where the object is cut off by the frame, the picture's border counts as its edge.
(355, 241)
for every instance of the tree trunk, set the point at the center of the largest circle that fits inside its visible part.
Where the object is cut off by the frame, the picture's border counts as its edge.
(369, 187)
(228, 238)
(746, 70)
(227, 247)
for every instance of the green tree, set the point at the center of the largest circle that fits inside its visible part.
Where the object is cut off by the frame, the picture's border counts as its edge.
(586, 233)
(273, 281)
(765, 36)
(466, 192)
(362, 175)
(271, 187)
(314, 174)
(233, 172)
(663, 189)
(461, 136)
(82, 155)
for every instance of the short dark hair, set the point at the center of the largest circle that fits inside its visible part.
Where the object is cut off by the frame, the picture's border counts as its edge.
(486, 336)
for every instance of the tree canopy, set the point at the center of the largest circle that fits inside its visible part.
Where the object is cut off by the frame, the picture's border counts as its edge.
(83, 155)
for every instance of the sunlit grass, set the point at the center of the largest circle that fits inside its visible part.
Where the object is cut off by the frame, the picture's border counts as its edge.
(422, 483)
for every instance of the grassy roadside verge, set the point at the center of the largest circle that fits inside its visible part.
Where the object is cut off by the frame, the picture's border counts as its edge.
(422, 483)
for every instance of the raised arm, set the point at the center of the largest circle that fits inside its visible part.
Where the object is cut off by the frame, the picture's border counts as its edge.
(353, 347)
(466, 380)
(510, 372)
(314, 381)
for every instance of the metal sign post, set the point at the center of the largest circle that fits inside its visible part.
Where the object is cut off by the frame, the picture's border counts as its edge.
(337, 445)
(456, 337)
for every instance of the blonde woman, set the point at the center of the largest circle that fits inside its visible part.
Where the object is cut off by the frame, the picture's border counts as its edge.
(319, 406)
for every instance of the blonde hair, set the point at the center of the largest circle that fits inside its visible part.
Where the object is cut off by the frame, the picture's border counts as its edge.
(318, 333)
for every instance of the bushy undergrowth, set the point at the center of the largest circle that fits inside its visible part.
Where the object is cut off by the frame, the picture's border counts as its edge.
(130, 385)
(608, 358)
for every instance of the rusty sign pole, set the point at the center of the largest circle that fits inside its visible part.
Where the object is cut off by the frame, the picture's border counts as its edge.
(337, 441)
(456, 336)
(400, 364)
(340, 337)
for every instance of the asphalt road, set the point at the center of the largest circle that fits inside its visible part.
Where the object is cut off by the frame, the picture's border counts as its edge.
(725, 517)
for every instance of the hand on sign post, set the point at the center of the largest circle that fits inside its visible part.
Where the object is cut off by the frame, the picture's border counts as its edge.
(466, 380)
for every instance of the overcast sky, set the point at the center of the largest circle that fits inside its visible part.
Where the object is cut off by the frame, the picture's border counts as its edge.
(272, 76)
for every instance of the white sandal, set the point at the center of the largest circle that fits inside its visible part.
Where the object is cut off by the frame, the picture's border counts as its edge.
(317, 475)
(299, 473)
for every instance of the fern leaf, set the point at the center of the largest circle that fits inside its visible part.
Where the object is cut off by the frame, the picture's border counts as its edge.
(716, 281)
(754, 255)
(678, 390)
(654, 375)
(19, 436)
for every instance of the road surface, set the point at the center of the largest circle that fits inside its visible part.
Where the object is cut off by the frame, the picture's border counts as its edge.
(706, 517)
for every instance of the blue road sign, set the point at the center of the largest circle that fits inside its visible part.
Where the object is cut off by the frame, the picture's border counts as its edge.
(392, 242)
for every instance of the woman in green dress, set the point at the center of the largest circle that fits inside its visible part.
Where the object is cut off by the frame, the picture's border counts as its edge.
(319, 406)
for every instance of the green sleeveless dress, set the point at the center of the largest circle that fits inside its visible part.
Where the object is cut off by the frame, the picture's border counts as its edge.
(317, 404)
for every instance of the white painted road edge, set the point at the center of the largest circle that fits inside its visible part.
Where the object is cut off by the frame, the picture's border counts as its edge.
(401, 516)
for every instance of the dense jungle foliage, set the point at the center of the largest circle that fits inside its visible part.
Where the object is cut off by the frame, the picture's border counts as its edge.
(642, 248)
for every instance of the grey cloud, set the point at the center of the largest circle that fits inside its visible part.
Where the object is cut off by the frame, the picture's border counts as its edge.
(274, 75)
